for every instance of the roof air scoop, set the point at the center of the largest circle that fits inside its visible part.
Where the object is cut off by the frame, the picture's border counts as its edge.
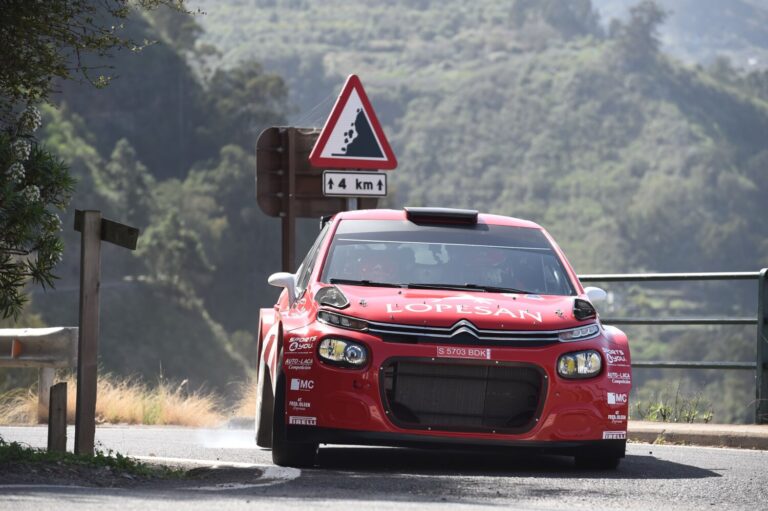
(441, 216)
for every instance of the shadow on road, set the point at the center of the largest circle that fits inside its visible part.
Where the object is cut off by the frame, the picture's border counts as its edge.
(497, 464)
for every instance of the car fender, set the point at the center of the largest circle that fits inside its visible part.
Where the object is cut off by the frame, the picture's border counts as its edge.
(266, 320)
(270, 351)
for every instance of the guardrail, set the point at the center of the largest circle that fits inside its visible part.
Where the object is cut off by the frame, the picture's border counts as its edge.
(760, 366)
(47, 349)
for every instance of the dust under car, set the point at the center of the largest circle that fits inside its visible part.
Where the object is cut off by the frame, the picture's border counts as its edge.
(433, 326)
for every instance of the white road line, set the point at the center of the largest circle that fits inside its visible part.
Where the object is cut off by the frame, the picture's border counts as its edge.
(47, 486)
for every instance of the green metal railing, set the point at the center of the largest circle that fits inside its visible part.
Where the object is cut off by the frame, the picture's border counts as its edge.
(759, 366)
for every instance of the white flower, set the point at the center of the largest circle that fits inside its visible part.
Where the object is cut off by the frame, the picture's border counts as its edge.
(31, 193)
(30, 120)
(54, 222)
(21, 149)
(16, 172)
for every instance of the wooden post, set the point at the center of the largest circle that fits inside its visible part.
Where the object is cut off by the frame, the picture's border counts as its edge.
(45, 377)
(57, 418)
(90, 269)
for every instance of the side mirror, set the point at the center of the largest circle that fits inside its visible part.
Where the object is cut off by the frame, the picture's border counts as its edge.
(595, 294)
(286, 280)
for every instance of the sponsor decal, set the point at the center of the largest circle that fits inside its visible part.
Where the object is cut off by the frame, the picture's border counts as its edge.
(301, 344)
(614, 435)
(299, 404)
(617, 417)
(467, 310)
(615, 356)
(302, 421)
(299, 384)
(615, 398)
(620, 377)
(299, 363)
(462, 352)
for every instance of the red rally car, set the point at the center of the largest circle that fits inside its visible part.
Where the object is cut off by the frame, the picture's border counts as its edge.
(435, 326)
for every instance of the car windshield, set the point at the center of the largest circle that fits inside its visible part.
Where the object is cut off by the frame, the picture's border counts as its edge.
(480, 257)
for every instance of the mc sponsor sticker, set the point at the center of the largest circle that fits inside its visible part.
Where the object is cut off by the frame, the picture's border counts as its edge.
(300, 384)
(302, 421)
(617, 398)
(620, 377)
(463, 352)
(614, 435)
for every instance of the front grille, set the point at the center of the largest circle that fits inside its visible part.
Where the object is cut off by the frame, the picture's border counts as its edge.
(462, 396)
(462, 332)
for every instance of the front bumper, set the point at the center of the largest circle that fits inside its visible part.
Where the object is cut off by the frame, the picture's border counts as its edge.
(606, 448)
(328, 404)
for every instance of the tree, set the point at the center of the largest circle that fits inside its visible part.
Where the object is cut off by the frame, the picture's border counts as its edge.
(129, 185)
(43, 42)
(247, 99)
(637, 41)
(33, 185)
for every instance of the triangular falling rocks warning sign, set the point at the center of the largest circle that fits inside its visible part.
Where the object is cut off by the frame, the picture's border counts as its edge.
(352, 137)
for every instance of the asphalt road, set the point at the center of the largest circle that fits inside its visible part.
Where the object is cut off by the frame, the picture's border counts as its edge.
(651, 477)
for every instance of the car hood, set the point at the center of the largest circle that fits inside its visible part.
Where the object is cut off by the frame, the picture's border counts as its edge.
(443, 308)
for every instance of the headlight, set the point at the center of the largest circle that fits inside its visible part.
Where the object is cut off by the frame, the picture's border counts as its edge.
(331, 318)
(580, 333)
(343, 353)
(579, 364)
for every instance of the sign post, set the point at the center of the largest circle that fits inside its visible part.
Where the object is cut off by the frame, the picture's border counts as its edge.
(94, 230)
(288, 184)
(287, 187)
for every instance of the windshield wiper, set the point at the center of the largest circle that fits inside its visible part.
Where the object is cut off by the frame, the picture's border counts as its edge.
(368, 283)
(472, 287)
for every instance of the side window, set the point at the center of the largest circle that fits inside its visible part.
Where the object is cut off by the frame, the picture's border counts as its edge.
(308, 264)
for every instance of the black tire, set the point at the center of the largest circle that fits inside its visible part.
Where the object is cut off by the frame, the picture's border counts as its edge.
(265, 403)
(284, 452)
(598, 462)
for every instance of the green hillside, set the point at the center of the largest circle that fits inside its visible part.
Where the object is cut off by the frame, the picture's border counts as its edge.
(702, 30)
(633, 160)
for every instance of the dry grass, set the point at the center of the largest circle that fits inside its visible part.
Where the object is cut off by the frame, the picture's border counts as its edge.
(125, 401)
(245, 406)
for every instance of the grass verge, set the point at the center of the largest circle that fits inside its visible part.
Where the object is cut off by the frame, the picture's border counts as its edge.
(674, 406)
(14, 454)
(125, 401)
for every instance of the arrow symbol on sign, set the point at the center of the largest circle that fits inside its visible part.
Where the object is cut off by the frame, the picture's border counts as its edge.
(330, 184)
(380, 185)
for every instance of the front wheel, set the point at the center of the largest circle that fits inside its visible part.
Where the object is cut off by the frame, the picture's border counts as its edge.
(284, 452)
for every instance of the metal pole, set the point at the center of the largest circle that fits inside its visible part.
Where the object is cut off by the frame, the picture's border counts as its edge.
(88, 342)
(289, 217)
(352, 204)
(761, 374)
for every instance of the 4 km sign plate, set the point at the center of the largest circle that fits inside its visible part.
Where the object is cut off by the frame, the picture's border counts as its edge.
(354, 184)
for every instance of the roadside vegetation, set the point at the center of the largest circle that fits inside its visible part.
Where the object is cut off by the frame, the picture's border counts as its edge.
(16, 457)
(672, 405)
(126, 401)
